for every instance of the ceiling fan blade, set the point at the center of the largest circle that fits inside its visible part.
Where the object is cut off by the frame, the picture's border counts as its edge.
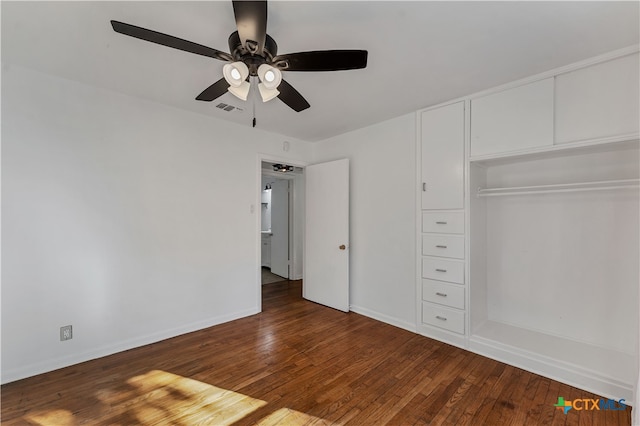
(322, 60)
(214, 91)
(169, 41)
(291, 97)
(251, 20)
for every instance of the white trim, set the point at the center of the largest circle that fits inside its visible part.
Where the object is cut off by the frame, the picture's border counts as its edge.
(396, 322)
(444, 336)
(418, 213)
(66, 361)
(554, 369)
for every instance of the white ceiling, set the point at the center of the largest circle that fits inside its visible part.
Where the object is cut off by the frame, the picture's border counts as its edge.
(420, 53)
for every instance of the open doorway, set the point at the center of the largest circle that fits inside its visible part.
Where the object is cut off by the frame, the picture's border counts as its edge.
(319, 228)
(280, 222)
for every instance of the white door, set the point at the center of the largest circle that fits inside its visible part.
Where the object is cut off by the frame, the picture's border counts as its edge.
(280, 228)
(326, 264)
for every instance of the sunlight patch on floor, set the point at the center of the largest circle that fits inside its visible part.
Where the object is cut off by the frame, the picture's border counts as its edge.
(51, 417)
(165, 396)
(289, 417)
(159, 397)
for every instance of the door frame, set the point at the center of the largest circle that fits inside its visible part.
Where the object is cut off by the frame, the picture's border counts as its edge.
(256, 209)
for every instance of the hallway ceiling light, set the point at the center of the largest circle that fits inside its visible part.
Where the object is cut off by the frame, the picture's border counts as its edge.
(282, 168)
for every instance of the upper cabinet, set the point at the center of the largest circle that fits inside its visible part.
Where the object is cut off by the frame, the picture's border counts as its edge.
(599, 101)
(513, 119)
(580, 105)
(442, 140)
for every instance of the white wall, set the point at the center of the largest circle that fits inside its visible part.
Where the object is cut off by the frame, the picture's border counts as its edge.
(128, 219)
(382, 217)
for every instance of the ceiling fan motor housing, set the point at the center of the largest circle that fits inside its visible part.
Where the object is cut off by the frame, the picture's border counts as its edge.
(252, 60)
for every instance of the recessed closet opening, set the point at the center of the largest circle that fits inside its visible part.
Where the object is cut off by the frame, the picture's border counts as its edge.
(554, 271)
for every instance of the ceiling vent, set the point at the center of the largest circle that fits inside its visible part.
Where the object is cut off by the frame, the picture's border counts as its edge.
(228, 108)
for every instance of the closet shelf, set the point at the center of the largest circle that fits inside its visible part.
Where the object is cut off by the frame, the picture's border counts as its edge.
(560, 187)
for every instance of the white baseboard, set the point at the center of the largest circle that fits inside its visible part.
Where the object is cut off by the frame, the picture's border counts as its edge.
(383, 318)
(54, 364)
(556, 370)
(444, 336)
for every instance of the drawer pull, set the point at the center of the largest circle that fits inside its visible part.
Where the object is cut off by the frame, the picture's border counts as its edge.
(442, 247)
(441, 318)
(424, 187)
(441, 294)
(441, 223)
(441, 270)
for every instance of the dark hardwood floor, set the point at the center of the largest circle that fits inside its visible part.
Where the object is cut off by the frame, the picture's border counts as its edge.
(295, 363)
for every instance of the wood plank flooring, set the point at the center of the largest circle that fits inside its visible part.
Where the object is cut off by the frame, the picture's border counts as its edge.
(295, 363)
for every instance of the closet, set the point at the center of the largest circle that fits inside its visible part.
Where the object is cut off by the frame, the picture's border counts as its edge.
(551, 225)
(554, 265)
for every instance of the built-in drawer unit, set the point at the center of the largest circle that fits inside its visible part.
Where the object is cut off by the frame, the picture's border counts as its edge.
(443, 245)
(443, 222)
(440, 316)
(443, 269)
(443, 293)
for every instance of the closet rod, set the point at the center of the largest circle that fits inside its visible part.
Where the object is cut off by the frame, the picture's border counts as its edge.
(561, 187)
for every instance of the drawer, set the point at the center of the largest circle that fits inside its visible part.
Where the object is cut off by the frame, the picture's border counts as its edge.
(442, 293)
(444, 222)
(442, 317)
(444, 245)
(443, 269)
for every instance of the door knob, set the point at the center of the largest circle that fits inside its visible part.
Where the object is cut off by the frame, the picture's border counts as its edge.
(342, 247)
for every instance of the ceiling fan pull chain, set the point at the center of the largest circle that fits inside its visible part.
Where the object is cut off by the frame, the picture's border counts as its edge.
(253, 106)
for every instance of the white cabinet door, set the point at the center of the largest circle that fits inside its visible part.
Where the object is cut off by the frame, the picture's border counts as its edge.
(598, 101)
(512, 120)
(442, 133)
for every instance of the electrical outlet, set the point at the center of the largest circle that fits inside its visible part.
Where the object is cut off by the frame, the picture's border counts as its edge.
(66, 333)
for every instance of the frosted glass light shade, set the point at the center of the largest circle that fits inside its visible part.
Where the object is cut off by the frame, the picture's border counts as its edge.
(235, 73)
(266, 93)
(269, 76)
(241, 91)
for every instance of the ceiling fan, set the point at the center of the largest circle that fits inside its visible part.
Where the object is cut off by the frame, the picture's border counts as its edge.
(253, 53)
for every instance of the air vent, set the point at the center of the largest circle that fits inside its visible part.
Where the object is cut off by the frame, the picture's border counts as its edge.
(228, 108)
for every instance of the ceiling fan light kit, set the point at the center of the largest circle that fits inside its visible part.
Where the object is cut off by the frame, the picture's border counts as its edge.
(267, 94)
(253, 53)
(241, 92)
(270, 78)
(235, 73)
